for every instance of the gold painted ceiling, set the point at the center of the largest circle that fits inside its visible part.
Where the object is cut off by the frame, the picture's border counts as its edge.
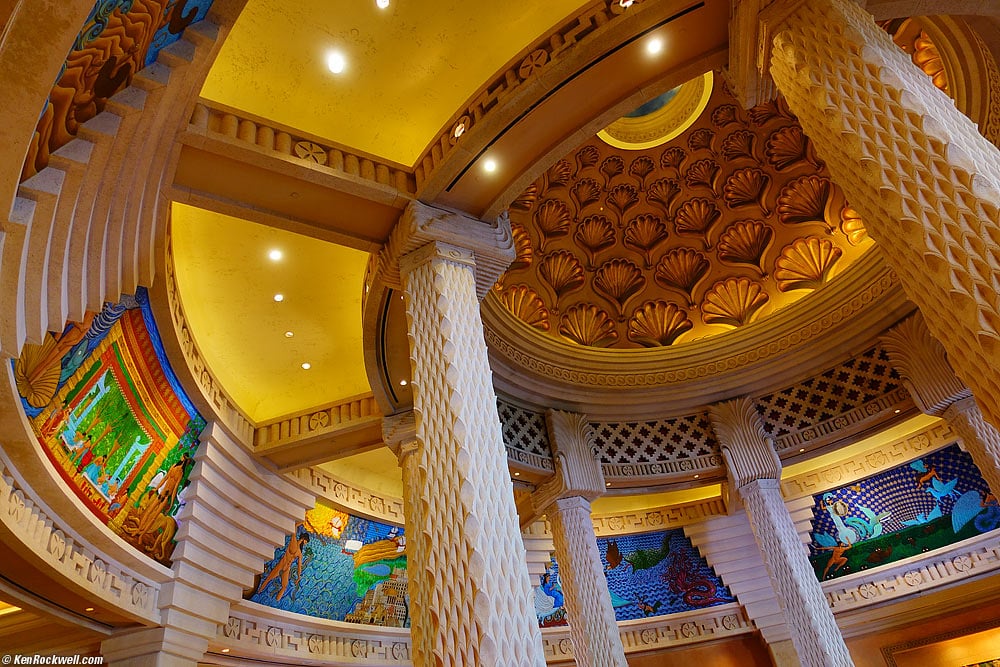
(718, 228)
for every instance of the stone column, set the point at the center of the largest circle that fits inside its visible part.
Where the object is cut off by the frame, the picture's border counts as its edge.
(565, 498)
(469, 585)
(926, 183)
(755, 471)
(921, 362)
(154, 647)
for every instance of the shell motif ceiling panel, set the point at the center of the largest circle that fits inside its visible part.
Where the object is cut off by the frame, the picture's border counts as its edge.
(718, 228)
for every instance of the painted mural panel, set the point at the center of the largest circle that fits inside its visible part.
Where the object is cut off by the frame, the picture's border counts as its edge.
(926, 504)
(118, 39)
(648, 574)
(111, 416)
(340, 567)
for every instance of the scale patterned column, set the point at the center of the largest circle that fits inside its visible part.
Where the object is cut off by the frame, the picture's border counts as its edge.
(755, 471)
(980, 438)
(470, 592)
(925, 181)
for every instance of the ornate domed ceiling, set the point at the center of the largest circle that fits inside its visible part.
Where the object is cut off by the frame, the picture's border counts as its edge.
(720, 227)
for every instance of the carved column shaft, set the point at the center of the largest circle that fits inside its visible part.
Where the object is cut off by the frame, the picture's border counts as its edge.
(981, 439)
(755, 470)
(593, 628)
(925, 181)
(470, 590)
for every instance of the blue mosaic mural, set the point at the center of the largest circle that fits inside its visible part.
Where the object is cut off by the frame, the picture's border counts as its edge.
(340, 567)
(926, 504)
(649, 574)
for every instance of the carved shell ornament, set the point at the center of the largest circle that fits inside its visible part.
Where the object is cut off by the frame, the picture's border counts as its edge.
(622, 197)
(681, 269)
(662, 193)
(611, 167)
(552, 220)
(724, 114)
(804, 200)
(701, 139)
(587, 157)
(805, 263)
(697, 216)
(619, 280)
(644, 234)
(526, 199)
(562, 272)
(852, 226)
(672, 158)
(745, 242)
(559, 174)
(739, 145)
(747, 186)
(733, 301)
(588, 325)
(787, 147)
(594, 234)
(702, 173)
(586, 191)
(522, 247)
(641, 168)
(526, 305)
(658, 324)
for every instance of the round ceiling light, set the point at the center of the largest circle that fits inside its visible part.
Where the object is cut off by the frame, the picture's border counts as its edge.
(336, 62)
(279, 297)
(490, 165)
(654, 46)
(275, 255)
(306, 366)
(382, 4)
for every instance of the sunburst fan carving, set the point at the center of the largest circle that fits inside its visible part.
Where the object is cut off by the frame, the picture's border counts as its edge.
(622, 197)
(526, 306)
(562, 272)
(852, 226)
(526, 199)
(745, 242)
(559, 174)
(672, 158)
(701, 139)
(645, 233)
(787, 147)
(763, 112)
(733, 301)
(682, 269)
(805, 200)
(586, 191)
(658, 324)
(696, 216)
(588, 325)
(747, 186)
(739, 145)
(805, 263)
(662, 193)
(619, 280)
(641, 168)
(587, 157)
(522, 247)
(552, 219)
(724, 114)
(594, 234)
(702, 173)
(612, 166)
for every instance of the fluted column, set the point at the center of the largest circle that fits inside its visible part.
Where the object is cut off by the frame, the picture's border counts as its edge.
(926, 183)
(922, 363)
(755, 471)
(469, 586)
(565, 499)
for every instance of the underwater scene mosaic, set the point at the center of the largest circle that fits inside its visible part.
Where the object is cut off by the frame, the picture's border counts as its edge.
(927, 504)
(648, 574)
(340, 567)
(118, 39)
(113, 420)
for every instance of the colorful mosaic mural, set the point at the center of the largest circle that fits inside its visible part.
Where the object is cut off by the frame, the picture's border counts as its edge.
(340, 567)
(111, 416)
(649, 574)
(926, 504)
(118, 39)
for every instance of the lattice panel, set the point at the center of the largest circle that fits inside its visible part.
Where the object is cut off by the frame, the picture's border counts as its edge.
(524, 430)
(858, 381)
(656, 441)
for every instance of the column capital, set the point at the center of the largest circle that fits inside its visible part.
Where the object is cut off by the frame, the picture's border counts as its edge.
(154, 647)
(399, 432)
(921, 361)
(748, 451)
(752, 27)
(488, 246)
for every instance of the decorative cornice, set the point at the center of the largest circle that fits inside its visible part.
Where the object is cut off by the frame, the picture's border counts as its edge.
(643, 520)
(351, 497)
(662, 471)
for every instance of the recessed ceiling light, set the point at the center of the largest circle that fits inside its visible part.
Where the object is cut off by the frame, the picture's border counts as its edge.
(517, 474)
(402, 383)
(289, 334)
(697, 476)
(802, 450)
(459, 130)
(490, 165)
(654, 46)
(225, 650)
(382, 4)
(275, 255)
(306, 366)
(897, 411)
(625, 4)
(89, 609)
(607, 484)
(279, 297)
(336, 61)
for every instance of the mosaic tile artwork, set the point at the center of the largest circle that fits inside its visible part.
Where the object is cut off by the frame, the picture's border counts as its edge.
(926, 504)
(113, 420)
(339, 567)
(648, 574)
(118, 39)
